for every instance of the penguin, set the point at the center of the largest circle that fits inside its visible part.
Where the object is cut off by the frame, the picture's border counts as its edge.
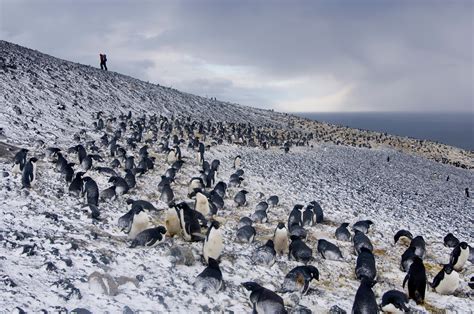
(19, 161)
(51, 153)
(365, 265)
(68, 172)
(108, 194)
(309, 218)
(394, 301)
(402, 233)
(299, 278)
(342, 233)
(170, 173)
(210, 279)
(450, 240)
(164, 181)
(260, 216)
(216, 200)
(237, 161)
(329, 250)
(129, 163)
(471, 283)
(364, 301)
(149, 237)
(298, 231)
(360, 240)
(134, 221)
(240, 198)
(416, 279)
(28, 175)
(362, 226)
(90, 191)
(420, 246)
(202, 204)
(235, 182)
(172, 221)
(280, 239)
(196, 183)
(261, 206)
(299, 251)
(246, 234)
(245, 221)
(76, 186)
(167, 194)
(214, 243)
(407, 258)
(145, 204)
(273, 200)
(296, 215)
(188, 220)
(86, 163)
(265, 255)
(61, 163)
(220, 188)
(459, 256)
(264, 300)
(318, 212)
(466, 191)
(130, 178)
(121, 186)
(446, 281)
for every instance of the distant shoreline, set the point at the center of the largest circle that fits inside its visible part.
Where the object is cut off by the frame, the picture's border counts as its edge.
(451, 128)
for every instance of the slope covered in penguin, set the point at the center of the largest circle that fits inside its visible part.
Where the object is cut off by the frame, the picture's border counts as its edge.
(166, 210)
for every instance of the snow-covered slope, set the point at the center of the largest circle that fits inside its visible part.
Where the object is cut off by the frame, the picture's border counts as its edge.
(52, 254)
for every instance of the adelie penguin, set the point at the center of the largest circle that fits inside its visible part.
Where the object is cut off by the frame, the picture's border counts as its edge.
(28, 176)
(360, 241)
(416, 279)
(172, 221)
(246, 234)
(402, 234)
(299, 278)
(210, 279)
(264, 300)
(420, 246)
(299, 251)
(214, 243)
(329, 250)
(265, 255)
(459, 256)
(394, 301)
(189, 222)
(76, 186)
(280, 239)
(273, 200)
(121, 186)
(134, 221)
(296, 215)
(149, 237)
(364, 301)
(365, 265)
(362, 226)
(450, 240)
(90, 191)
(237, 161)
(446, 281)
(342, 233)
(19, 161)
(240, 198)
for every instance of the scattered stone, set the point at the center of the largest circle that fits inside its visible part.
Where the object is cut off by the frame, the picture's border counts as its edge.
(181, 256)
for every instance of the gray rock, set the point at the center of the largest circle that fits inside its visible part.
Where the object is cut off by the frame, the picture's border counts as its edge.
(336, 310)
(181, 256)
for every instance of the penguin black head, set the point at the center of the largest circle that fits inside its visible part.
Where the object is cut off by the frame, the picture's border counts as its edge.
(244, 191)
(298, 207)
(463, 245)
(214, 225)
(80, 174)
(212, 263)
(251, 286)
(345, 224)
(448, 268)
(314, 272)
(129, 201)
(87, 179)
(294, 237)
(33, 159)
(270, 244)
(161, 229)
(137, 209)
(280, 225)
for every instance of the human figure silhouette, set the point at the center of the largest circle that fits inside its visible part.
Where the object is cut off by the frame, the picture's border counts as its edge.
(103, 61)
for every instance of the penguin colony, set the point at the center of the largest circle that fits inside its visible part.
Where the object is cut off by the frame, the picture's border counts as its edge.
(128, 148)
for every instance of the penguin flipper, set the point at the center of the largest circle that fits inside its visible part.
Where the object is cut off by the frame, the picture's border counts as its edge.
(405, 280)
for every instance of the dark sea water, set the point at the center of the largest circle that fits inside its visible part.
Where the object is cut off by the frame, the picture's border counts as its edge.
(455, 129)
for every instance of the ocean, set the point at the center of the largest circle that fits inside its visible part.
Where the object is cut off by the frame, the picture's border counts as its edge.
(455, 129)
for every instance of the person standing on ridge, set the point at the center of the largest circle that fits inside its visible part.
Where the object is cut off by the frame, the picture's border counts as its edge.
(103, 61)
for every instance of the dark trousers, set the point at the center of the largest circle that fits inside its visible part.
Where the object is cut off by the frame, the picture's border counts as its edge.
(103, 66)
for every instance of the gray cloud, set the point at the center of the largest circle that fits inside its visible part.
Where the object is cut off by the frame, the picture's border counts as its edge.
(290, 55)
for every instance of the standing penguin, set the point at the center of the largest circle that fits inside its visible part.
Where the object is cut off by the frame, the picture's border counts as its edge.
(446, 281)
(202, 204)
(402, 234)
(416, 278)
(134, 221)
(76, 186)
(280, 239)
(213, 244)
(264, 300)
(189, 222)
(210, 279)
(237, 161)
(365, 301)
(296, 215)
(459, 256)
(365, 265)
(28, 176)
(420, 246)
(91, 191)
(172, 224)
(19, 161)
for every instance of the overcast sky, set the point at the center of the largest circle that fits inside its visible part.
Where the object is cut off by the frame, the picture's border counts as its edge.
(287, 55)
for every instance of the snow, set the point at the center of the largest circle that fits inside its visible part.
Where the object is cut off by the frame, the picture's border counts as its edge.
(46, 225)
